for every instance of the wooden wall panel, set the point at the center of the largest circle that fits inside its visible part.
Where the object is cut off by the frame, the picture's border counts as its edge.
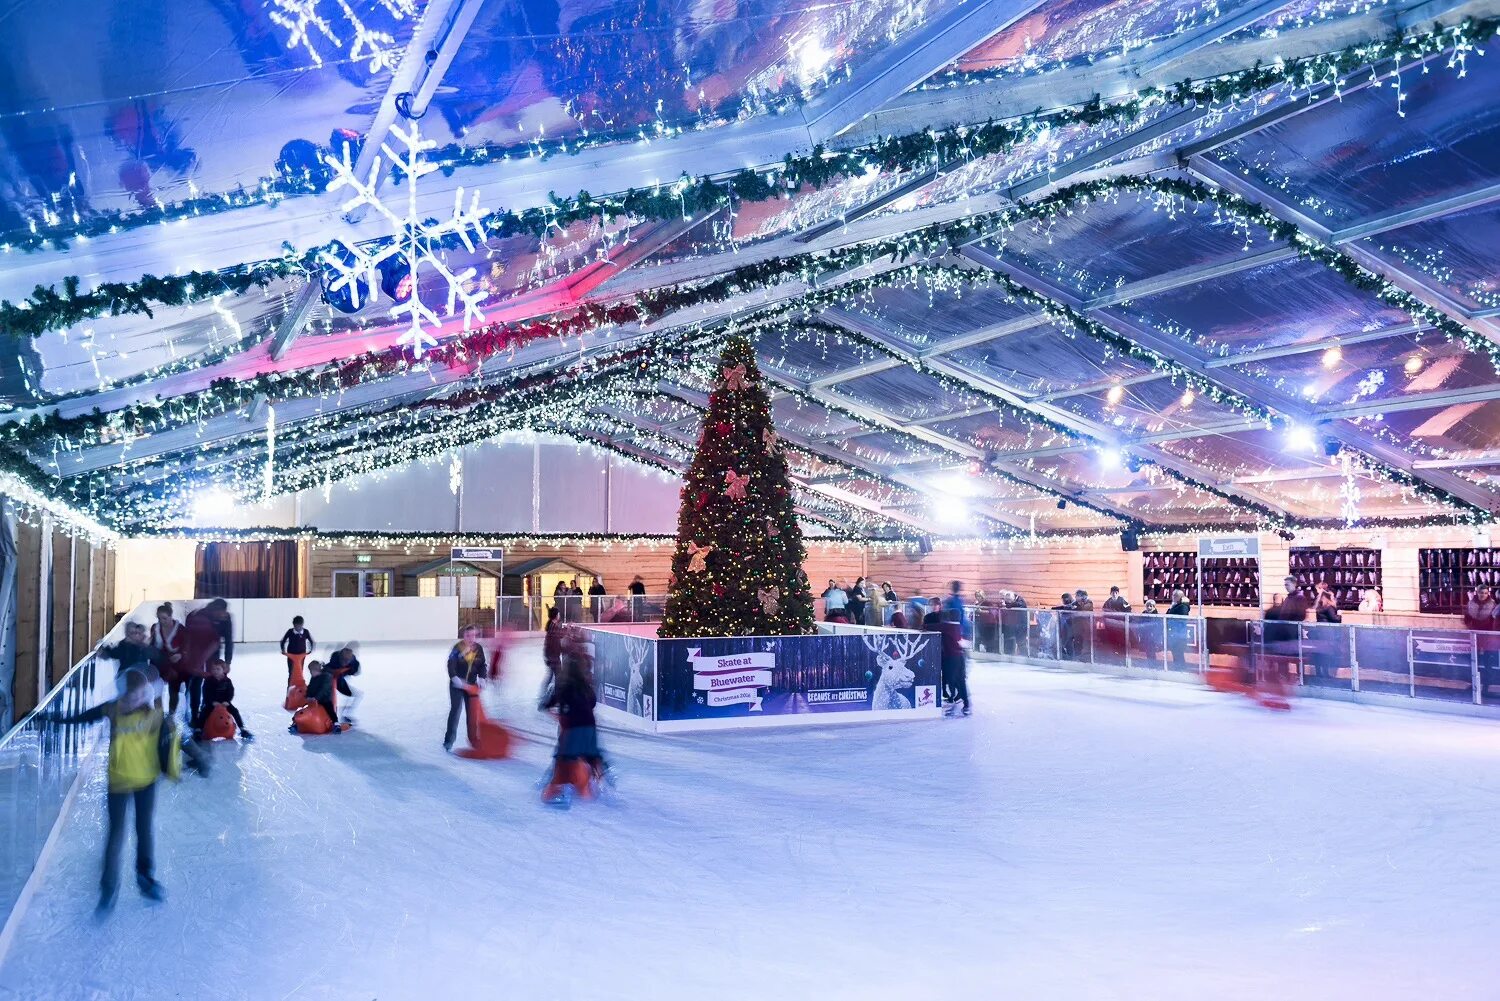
(60, 649)
(83, 607)
(28, 610)
(1039, 575)
(617, 563)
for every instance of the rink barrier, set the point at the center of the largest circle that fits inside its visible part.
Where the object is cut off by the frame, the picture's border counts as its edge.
(330, 620)
(842, 675)
(43, 764)
(1455, 669)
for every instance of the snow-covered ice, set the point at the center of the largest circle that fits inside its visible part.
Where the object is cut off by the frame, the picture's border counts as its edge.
(1080, 837)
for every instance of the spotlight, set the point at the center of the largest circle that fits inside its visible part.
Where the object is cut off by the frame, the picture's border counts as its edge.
(346, 295)
(1300, 438)
(1333, 356)
(1109, 458)
(951, 513)
(1115, 395)
(1413, 365)
(812, 57)
(212, 505)
(395, 277)
(342, 140)
(1188, 397)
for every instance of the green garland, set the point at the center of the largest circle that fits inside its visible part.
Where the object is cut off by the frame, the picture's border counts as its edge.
(693, 196)
(921, 243)
(47, 309)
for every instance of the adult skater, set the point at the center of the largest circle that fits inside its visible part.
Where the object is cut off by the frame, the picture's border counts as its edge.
(954, 659)
(552, 638)
(1177, 629)
(209, 633)
(465, 665)
(135, 732)
(166, 636)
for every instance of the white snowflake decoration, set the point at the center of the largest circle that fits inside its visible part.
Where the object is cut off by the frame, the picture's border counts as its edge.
(307, 21)
(414, 237)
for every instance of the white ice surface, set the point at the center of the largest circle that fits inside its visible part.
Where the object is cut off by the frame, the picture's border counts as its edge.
(1078, 838)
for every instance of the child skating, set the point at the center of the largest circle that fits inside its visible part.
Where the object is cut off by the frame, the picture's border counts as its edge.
(578, 766)
(136, 747)
(296, 644)
(218, 690)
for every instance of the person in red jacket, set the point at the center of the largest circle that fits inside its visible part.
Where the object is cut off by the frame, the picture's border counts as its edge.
(208, 633)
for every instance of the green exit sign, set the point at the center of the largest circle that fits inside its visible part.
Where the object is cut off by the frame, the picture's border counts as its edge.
(361, 557)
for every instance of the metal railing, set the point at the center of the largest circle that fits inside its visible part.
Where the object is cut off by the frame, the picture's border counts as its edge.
(529, 614)
(1450, 665)
(40, 759)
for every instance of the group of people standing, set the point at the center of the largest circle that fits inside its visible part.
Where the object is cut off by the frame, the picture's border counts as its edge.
(860, 604)
(568, 604)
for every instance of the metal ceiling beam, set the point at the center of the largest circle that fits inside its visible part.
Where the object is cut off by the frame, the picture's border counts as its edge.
(956, 415)
(1172, 49)
(1460, 461)
(434, 42)
(1220, 176)
(854, 462)
(1102, 385)
(1422, 212)
(984, 335)
(948, 444)
(815, 484)
(1194, 275)
(1309, 473)
(1411, 401)
(858, 371)
(914, 57)
(1251, 389)
(1309, 347)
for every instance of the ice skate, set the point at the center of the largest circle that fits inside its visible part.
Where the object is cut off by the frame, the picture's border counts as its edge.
(107, 898)
(151, 889)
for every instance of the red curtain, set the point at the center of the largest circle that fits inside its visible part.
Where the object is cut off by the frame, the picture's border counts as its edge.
(246, 570)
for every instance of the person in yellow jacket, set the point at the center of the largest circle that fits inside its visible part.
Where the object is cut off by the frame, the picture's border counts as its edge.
(135, 764)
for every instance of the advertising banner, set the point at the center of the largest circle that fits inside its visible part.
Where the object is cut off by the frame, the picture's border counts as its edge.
(707, 679)
(624, 670)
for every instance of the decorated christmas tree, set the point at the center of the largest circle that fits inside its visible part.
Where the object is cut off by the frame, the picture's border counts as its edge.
(738, 570)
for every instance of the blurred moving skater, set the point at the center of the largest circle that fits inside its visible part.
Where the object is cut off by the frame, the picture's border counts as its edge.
(136, 749)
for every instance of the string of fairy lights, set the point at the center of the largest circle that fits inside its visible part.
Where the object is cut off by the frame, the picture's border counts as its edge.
(48, 307)
(688, 197)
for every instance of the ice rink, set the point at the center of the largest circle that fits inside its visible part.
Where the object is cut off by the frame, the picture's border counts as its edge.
(1080, 837)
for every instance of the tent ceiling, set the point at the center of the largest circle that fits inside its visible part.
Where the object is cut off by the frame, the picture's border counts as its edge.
(1139, 356)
